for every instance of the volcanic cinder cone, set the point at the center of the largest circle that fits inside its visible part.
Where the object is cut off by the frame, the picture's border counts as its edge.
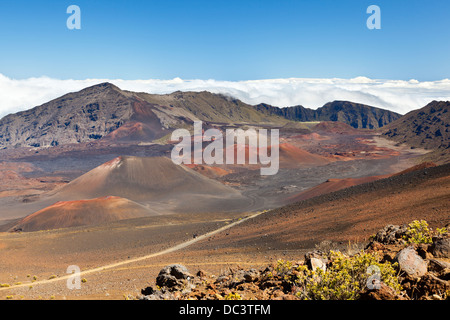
(83, 213)
(154, 180)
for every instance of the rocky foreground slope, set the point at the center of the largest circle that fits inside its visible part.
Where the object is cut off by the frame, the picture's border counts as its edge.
(408, 262)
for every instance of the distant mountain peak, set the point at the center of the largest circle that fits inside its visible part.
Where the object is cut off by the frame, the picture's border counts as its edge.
(104, 86)
(105, 111)
(428, 127)
(108, 85)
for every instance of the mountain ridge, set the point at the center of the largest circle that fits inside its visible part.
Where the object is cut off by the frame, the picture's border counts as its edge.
(96, 112)
(427, 128)
(355, 114)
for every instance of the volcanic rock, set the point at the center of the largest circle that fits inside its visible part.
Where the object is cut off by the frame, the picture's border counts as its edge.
(390, 234)
(411, 263)
(315, 260)
(173, 276)
(441, 248)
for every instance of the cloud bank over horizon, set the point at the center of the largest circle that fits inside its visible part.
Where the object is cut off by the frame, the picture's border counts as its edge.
(396, 95)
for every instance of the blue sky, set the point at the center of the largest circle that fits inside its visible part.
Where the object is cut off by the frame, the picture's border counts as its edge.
(225, 40)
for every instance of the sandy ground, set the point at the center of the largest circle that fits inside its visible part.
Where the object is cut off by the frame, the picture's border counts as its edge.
(345, 217)
(47, 254)
(113, 275)
(120, 260)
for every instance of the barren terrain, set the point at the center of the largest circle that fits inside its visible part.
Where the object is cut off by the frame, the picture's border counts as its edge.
(121, 257)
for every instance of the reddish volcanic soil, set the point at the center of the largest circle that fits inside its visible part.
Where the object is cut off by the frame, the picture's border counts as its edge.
(291, 156)
(310, 136)
(423, 165)
(339, 210)
(144, 126)
(332, 185)
(154, 182)
(351, 214)
(14, 183)
(127, 131)
(66, 214)
(348, 144)
(209, 171)
(142, 179)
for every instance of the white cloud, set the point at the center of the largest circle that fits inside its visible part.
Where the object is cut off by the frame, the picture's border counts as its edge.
(396, 95)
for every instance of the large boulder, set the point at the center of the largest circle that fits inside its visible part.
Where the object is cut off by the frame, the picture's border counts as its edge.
(441, 248)
(316, 260)
(411, 263)
(251, 275)
(173, 276)
(234, 277)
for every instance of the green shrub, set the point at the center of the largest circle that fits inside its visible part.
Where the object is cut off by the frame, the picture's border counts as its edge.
(345, 278)
(418, 232)
(440, 231)
(283, 267)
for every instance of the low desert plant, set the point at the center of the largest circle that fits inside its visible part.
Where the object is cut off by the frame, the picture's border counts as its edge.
(440, 231)
(283, 267)
(345, 278)
(233, 296)
(420, 232)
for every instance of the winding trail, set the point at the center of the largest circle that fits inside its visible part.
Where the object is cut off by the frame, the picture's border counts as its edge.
(129, 261)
